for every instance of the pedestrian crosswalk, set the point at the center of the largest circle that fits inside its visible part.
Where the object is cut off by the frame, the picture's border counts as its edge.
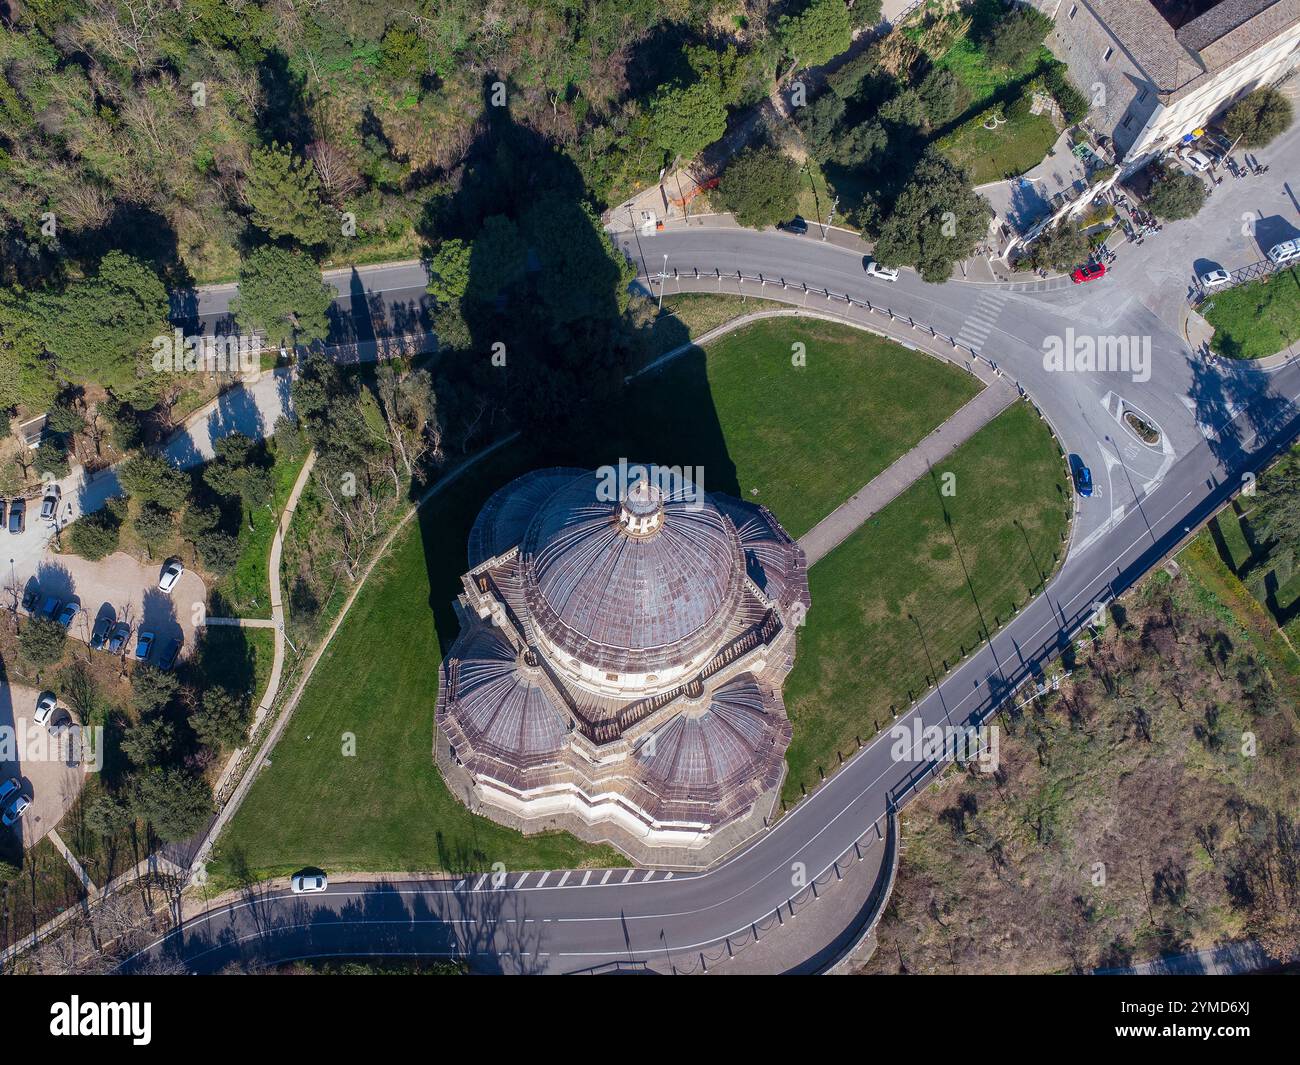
(501, 880)
(982, 319)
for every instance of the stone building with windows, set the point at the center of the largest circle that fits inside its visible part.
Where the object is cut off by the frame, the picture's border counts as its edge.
(1156, 70)
(619, 666)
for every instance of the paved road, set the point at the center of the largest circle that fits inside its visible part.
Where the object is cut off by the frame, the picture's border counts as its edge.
(1217, 423)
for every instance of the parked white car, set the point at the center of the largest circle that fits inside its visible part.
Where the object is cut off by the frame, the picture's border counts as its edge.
(1214, 278)
(1198, 160)
(46, 704)
(171, 573)
(309, 883)
(881, 273)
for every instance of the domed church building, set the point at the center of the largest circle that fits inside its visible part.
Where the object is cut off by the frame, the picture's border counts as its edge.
(624, 638)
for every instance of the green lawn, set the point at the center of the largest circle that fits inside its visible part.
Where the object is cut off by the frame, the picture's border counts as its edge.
(1019, 144)
(1256, 319)
(861, 655)
(245, 591)
(386, 807)
(806, 438)
(800, 440)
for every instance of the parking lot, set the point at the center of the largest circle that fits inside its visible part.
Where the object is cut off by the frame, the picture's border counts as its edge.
(119, 589)
(50, 775)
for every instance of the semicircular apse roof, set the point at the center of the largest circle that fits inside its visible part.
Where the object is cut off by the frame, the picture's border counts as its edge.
(625, 602)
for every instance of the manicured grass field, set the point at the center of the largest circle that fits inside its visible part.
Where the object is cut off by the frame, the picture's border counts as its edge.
(386, 807)
(1257, 319)
(919, 577)
(806, 437)
(800, 440)
(1014, 147)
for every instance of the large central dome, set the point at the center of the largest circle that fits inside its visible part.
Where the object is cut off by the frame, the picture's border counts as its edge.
(632, 584)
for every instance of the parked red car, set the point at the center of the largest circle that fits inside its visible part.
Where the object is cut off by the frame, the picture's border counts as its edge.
(1088, 272)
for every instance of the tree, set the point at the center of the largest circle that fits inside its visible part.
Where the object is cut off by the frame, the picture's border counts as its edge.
(51, 460)
(42, 642)
(410, 410)
(96, 330)
(1258, 117)
(1176, 195)
(936, 222)
(149, 742)
(818, 33)
(152, 479)
(687, 119)
(153, 525)
(944, 96)
(221, 721)
(449, 271)
(152, 688)
(95, 535)
(819, 122)
(283, 196)
(760, 187)
(282, 298)
(175, 802)
(1060, 248)
(1016, 36)
(108, 815)
(239, 470)
(218, 550)
(338, 177)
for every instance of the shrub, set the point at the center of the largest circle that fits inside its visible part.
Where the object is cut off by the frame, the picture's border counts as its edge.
(1258, 117)
(95, 535)
(1176, 196)
(42, 642)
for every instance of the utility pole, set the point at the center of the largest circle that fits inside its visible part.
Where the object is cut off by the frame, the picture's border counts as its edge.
(663, 281)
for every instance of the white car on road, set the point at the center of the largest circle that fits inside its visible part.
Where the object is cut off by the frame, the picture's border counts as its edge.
(309, 883)
(1214, 278)
(881, 273)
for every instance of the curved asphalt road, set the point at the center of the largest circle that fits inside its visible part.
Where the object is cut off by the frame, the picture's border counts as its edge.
(1219, 423)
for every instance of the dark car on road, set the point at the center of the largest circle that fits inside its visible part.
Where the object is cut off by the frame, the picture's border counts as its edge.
(99, 636)
(67, 614)
(118, 637)
(796, 225)
(17, 516)
(50, 608)
(29, 599)
(1083, 480)
(170, 653)
(143, 646)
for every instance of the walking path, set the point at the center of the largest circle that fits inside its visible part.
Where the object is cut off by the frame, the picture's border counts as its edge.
(845, 519)
(71, 859)
(248, 771)
(235, 763)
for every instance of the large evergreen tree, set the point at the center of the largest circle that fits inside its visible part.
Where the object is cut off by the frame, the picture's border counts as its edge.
(98, 330)
(936, 222)
(283, 196)
(282, 297)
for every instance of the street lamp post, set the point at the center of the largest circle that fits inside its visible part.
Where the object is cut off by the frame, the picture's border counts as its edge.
(663, 281)
(830, 218)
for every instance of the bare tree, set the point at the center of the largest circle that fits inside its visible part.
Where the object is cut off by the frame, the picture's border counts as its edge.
(338, 177)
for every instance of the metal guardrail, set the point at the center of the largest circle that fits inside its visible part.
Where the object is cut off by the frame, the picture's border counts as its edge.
(1253, 272)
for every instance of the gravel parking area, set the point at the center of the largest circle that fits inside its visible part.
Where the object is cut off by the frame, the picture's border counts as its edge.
(121, 589)
(43, 768)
